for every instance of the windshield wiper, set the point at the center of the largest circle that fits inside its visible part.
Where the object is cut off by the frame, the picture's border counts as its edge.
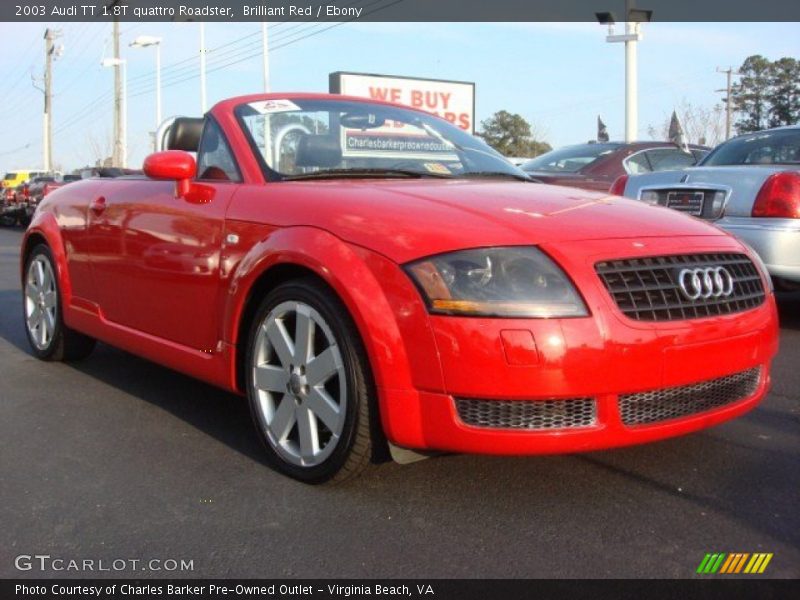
(356, 173)
(489, 174)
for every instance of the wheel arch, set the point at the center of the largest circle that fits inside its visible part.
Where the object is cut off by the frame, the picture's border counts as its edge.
(299, 252)
(44, 230)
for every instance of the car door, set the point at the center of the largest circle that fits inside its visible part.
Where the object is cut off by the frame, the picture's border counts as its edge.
(156, 258)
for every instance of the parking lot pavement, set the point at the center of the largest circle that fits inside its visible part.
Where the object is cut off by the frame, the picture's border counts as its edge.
(118, 458)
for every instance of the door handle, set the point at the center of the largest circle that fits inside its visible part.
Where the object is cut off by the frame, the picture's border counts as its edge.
(98, 205)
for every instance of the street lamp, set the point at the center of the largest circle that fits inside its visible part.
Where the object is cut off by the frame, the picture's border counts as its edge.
(633, 18)
(145, 41)
(123, 134)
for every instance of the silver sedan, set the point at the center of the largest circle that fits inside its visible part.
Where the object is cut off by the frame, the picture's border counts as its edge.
(749, 186)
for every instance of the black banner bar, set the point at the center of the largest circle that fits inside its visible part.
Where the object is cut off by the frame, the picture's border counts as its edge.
(732, 588)
(395, 10)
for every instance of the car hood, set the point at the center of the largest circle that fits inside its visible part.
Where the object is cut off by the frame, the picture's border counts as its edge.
(407, 219)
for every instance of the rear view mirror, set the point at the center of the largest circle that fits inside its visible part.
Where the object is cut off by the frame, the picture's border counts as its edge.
(175, 165)
(361, 121)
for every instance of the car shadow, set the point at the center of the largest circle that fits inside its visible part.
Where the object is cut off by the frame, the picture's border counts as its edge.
(219, 414)
(11, 327)
(789, 309)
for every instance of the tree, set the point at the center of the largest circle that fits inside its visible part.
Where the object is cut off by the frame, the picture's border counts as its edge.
(767, 94)
(702, 125)
(784, 92)
(750, 95)
(511, 135)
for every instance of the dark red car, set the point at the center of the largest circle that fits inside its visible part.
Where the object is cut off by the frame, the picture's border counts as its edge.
(595, 166)
(374, 278)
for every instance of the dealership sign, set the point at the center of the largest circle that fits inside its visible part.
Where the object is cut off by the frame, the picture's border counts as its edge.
(453, 101)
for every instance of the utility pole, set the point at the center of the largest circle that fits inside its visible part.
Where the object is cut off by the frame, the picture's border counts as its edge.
(631, 81)
(47, 139)
(116, 156)
(265, 54)
(203, 68)
(728, 101)
(265, 66)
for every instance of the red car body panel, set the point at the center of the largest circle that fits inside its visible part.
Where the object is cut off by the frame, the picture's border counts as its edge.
(171, 279)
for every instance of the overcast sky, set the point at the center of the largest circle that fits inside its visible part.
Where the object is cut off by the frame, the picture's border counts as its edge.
(559, 76)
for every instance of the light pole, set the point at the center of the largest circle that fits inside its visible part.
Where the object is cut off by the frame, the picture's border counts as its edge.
(145, 41)
(123, 133)
(633, 19)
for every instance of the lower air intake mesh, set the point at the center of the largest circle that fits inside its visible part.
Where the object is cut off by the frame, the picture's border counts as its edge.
(528, 414)
(671, 403)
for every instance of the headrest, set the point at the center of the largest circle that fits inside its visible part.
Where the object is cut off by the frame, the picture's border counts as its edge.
(318, 151)
(184, 134)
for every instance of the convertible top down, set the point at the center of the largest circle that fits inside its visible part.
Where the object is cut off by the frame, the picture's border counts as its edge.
(372, 277)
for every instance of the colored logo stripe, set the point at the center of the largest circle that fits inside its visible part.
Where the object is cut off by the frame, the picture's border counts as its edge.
(758, 563)
(711, 563)
(723, 563)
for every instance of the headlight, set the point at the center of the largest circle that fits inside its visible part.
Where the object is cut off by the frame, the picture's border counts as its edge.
(496, 282)
(649, 196)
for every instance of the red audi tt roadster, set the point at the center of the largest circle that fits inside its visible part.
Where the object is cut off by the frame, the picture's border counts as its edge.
(375, 279)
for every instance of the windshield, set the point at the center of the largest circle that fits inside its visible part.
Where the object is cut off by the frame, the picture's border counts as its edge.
(308, 139)
(776, 147)
(570, 159)
(10, 176)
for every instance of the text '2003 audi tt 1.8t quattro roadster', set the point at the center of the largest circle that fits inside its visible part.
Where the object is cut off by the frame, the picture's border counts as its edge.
(373, 278)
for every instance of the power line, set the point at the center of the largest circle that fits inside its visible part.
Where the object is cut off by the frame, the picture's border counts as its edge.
(221, 61)
(271, 48)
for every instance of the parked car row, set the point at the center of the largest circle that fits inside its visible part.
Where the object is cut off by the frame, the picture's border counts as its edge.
(595, 166)
(748, 186)
(19, 202)
(23, 190)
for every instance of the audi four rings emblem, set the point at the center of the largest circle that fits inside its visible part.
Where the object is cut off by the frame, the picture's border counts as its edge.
(705, 282)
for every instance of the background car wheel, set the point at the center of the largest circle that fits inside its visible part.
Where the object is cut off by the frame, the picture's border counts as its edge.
(309, 385)
(49, 337)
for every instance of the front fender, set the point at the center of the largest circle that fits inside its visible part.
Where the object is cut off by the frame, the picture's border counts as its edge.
(346, 270)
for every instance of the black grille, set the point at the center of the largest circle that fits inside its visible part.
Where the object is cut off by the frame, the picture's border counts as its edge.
(528, 414)
(671, 403)
(646, 289)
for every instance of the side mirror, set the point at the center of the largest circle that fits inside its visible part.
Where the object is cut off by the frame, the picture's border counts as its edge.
(176, 165)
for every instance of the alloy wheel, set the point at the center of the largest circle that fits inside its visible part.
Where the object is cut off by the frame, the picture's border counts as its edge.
(41, 302)
(300, 385)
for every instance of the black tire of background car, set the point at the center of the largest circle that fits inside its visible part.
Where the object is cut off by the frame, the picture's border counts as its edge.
(66, 344)
(354, 452)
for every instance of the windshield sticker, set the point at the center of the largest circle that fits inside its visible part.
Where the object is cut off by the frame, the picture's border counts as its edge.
(438, 168)
(268, 107)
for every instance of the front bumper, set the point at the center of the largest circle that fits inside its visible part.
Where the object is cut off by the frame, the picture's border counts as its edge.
(600, 357)
(777, 242)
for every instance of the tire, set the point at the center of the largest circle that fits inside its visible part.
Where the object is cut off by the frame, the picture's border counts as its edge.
(49, 337)
(310, 403)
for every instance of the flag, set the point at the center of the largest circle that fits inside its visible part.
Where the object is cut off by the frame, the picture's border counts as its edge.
(676, 135)
(602, 130)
